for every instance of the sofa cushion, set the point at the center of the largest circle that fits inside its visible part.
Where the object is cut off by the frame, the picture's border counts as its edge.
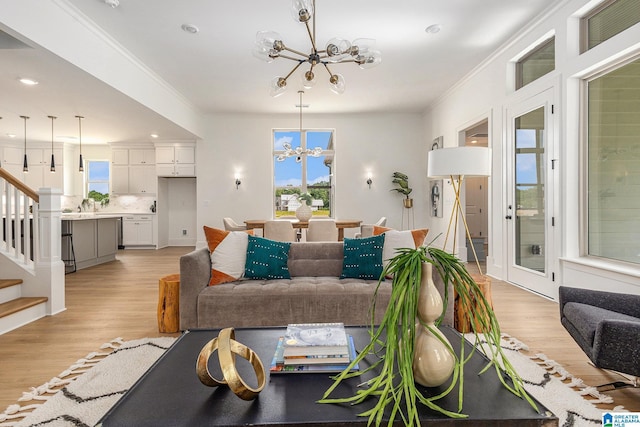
(396, 239)
(363, 258)
(228, 252)
(314, 259)
(252, 303)
(586, 318)
(267, 259)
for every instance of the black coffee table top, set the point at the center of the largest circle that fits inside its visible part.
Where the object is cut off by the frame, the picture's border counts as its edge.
(170, 394)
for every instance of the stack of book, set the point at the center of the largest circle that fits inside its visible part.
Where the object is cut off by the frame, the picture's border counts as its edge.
(313, 347)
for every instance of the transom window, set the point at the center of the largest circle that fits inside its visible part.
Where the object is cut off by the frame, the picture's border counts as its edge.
(537, 63)
(607, 20)
(297, 171)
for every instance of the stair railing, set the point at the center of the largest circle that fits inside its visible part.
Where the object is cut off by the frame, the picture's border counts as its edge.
(19, 230)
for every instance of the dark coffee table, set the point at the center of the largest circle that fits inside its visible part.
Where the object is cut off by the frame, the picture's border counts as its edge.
(170, 394)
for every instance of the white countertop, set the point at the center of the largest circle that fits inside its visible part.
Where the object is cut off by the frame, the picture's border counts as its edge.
(78, 216)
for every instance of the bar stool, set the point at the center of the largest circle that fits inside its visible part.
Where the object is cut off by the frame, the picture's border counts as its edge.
(70, 262)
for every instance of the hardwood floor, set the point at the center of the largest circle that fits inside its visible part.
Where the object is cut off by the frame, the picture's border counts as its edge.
(119, 299)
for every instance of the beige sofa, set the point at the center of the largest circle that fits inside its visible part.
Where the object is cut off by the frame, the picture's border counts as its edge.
(315, 293)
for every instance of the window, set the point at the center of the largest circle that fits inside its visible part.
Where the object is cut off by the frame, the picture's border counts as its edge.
(613, 162)
(98, 180)
(606, 21)
(300, 172)
(536, 63)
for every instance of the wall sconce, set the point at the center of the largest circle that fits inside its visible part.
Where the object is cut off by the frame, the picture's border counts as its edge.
(238, 182)
(369, 180)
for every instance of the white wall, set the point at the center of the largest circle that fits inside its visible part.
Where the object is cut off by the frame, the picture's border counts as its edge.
(487, 92)
(381, 143)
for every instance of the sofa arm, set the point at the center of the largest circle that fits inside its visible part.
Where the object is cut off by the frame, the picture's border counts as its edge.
(628, 304)
(617, 346)
(195, 273)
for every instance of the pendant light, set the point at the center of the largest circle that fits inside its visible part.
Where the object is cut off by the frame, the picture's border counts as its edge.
(53, 160)
(81, 164)
(25, 163)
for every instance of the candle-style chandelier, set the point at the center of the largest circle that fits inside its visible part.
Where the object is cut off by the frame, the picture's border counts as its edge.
(269, 46)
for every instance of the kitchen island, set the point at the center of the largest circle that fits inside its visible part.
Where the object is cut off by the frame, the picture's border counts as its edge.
(89, 239)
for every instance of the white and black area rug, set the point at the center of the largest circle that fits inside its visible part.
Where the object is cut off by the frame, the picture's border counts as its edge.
(81, 395)
(572, 401)
(82, 400)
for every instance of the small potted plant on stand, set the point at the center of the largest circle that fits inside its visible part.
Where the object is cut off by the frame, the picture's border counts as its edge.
(402, 181)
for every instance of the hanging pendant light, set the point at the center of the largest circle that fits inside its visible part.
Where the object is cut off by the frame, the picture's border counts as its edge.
(81, 164)
(25, 163)
(53, 160)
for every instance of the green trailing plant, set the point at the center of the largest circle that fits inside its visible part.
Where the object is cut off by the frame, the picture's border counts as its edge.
(392, 342)
(402, 181)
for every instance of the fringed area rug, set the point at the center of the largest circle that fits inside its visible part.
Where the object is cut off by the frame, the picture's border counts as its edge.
(82, 394)
(566, 396)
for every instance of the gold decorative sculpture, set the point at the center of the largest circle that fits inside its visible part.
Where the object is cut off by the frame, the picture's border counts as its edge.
(227, 348)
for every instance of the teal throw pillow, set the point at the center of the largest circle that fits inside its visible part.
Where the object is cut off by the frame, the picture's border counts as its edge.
(267, 259)
(363, 258)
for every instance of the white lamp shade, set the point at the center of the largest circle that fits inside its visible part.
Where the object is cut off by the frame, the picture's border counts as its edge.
(457, 161)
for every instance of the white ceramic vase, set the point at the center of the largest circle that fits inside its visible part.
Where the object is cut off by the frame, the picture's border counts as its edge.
(433, 363)
(303, 213)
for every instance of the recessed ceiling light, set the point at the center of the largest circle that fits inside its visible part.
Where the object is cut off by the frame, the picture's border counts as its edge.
(28, 82)
(154, 135)
(190, 28)
(433, 29)
(11, 135)
(112, 3)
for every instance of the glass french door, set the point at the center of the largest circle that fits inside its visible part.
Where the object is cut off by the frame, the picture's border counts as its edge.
(529, 210)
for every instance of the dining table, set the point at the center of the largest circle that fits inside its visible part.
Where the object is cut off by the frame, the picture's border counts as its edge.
(341, 224)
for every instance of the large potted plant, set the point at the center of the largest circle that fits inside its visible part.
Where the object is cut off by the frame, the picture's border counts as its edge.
(402, 181)
(393, 342)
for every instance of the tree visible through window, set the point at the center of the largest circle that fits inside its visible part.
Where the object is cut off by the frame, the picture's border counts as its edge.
(300, 172)
(98, 180)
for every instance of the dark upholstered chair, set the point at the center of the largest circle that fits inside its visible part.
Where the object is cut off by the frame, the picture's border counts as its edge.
(606, 325)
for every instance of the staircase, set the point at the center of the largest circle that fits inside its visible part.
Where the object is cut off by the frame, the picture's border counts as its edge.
(16, 310)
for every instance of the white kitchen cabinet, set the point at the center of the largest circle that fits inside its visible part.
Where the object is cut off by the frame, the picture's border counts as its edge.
(119, 156)
(119, 179)
(39, 174)
(175, 160)
(142, 180)
(137, 230)
(132, 170)
(142, 156)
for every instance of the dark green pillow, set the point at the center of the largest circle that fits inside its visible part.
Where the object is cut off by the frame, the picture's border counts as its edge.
(267, 259)
(363, 258)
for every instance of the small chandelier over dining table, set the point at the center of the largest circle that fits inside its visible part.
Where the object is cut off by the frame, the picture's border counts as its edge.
(298, 152)
(269, 46)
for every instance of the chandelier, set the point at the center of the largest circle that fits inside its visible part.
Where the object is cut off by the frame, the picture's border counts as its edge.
(298, 152)
(269, 46)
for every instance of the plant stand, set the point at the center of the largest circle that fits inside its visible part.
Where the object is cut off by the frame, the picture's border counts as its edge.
(461, 309)
(410, 218)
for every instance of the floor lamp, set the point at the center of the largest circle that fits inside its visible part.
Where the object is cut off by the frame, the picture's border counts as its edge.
(456, 164)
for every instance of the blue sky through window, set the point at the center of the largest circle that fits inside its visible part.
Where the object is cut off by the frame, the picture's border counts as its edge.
(289, 172)
(98, 176)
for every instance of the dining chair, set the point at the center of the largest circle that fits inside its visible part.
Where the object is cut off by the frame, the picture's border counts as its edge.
(231, 225)
(366, 230)
(322, 230)
(279, 230)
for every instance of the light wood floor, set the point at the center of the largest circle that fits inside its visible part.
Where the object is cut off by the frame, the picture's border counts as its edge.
(119, 299)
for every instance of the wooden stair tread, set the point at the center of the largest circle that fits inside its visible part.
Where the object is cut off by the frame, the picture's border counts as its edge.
(6, 283)
(19, 304)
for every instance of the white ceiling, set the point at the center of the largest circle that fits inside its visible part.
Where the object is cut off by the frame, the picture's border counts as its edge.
(216, 71)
